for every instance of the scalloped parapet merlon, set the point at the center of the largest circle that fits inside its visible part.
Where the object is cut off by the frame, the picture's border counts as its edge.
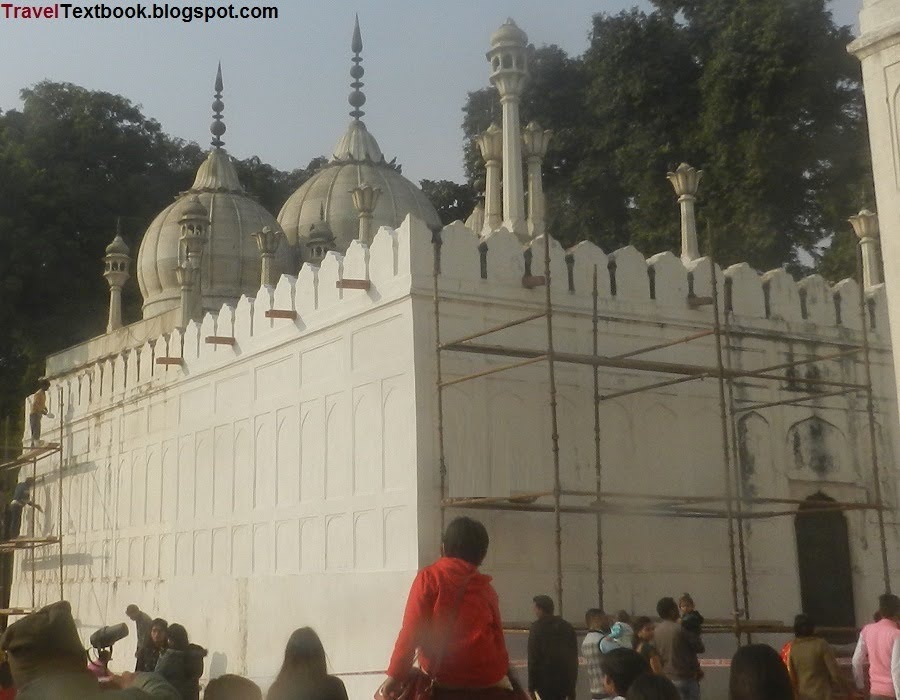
(490, 269)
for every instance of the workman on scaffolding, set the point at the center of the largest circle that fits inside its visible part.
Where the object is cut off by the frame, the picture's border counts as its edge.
(21, 498)
(38, 411)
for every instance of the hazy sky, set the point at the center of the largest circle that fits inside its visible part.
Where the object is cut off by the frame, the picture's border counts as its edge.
(287, 80)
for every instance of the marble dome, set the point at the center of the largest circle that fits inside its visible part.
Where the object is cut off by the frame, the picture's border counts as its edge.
(356, 160)
(230, 265)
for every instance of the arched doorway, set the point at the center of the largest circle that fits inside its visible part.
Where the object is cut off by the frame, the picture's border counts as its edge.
(823, 557)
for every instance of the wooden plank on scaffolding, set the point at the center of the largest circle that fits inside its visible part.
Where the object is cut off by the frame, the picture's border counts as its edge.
(30, 454)
(170, 361)
(220, 340)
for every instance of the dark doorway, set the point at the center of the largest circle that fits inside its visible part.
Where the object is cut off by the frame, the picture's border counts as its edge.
(823, 556)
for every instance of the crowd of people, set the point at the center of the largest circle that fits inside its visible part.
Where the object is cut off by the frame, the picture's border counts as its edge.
(451, 646)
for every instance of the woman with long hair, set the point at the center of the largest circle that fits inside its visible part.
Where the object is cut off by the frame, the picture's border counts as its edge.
(304, 672)
(182, 663)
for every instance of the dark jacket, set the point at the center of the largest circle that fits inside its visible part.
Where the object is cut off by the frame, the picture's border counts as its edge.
(552, 658)
(183, 668)
(147, 657)
(331, 688)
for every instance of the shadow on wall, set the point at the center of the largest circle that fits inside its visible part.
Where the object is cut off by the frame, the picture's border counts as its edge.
(50, 562)
(218, 664)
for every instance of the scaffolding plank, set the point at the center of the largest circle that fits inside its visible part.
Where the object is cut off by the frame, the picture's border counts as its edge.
(494, 329)
(9, 612)
(220, 340)
(636, 364)
(795, 401)
(668, 344)
(27, 543)
(30, 454)
(492, 370)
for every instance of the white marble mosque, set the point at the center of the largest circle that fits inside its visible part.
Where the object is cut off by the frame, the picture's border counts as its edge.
(260, 452)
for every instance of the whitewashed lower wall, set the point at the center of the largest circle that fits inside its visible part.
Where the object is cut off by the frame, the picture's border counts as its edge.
(292, 479)
(249, 498)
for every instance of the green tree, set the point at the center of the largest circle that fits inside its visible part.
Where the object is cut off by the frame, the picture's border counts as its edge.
(72, 162)
(760, 94)
(452, 200)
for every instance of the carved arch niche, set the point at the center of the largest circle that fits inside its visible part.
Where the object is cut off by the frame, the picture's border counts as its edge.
(754, 441)
(817, 449)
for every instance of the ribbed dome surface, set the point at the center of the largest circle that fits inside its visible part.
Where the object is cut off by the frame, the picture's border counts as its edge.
(230, 265)
(357, 159)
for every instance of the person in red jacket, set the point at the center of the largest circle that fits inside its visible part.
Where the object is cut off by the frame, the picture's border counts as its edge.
(452, 621)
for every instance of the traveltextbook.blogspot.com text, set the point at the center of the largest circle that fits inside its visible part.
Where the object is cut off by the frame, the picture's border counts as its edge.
(163, 11)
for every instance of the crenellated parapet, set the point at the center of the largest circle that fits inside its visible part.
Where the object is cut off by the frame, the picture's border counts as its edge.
(492, 269)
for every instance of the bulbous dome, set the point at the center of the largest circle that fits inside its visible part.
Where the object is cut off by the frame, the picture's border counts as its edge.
(230, 264)
(357, 160)
(509, 35)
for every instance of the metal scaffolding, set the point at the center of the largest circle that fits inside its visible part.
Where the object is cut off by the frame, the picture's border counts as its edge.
(734, 506)
(30, 543)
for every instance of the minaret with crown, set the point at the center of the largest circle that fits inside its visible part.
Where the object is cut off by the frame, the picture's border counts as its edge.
(115, 270)
(509, 72)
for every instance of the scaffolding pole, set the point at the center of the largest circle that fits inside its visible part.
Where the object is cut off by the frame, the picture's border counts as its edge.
(59, 500)
(870, 408)
(554, 426)
(737, 506)
(739, 479)
(726, 451)
(598, 464)
(439, 381)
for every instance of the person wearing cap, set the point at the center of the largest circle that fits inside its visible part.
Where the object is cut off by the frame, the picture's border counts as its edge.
(552, 654)
(47, 661)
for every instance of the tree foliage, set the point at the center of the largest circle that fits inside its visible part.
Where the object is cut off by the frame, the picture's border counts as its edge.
(760, 94)
(453, 201)
(72, 161)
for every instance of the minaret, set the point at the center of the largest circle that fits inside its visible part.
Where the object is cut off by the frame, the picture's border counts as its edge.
(686, 181)
(536, 141)
(115, 270)
(490, 144)
(365, 199)
(194, 222)
(865, 225)
(509, 72)
(267, 241)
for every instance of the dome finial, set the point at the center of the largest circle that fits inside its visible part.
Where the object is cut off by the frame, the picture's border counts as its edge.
(218, 126)
(357, 99)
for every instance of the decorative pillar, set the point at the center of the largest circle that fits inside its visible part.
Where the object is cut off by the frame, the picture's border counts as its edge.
(686, 180)
(185, 275)
(865, 224)
(267, 241)
(365, 198)
(490, 144)
(194, 221)
(536, 140)
(509, 72)
(115, 270)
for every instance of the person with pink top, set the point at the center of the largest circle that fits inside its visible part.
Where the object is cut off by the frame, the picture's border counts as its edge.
(879, 646)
